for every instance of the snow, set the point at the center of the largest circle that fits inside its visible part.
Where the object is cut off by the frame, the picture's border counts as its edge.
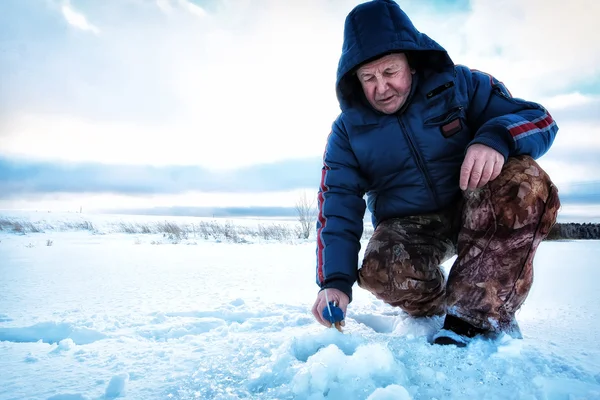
(102, 314)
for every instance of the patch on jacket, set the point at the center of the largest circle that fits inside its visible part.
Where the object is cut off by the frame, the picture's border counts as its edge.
(451, 128)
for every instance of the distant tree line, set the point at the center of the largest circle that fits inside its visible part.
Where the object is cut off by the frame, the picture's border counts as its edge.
(574, 230)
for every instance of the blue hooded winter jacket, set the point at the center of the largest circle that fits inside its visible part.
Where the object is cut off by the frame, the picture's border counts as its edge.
(406, 163)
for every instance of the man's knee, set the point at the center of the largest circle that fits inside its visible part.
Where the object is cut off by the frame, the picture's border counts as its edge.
(521, 179)
(382, 266)
(522, 194)
(391, 274)
(415, 296)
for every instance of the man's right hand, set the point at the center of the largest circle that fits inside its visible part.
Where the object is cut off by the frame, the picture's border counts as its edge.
(335, 295)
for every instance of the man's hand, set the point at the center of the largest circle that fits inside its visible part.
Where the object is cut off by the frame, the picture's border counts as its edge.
(337, 296)
(482, 164)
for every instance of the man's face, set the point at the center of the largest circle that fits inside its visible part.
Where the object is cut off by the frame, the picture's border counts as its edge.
(386, 82)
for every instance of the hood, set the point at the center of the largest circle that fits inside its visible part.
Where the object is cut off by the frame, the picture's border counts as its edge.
(373, 29)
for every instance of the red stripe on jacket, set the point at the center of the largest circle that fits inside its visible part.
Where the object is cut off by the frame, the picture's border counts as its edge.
(540, 123)
(322, 221)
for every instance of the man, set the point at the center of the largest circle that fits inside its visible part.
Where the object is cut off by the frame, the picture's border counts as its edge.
(446, 157)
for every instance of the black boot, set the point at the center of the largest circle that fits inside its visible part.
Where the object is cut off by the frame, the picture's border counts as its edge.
(457, 332)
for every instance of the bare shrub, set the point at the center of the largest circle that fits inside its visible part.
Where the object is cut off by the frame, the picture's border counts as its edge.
(229, 232)
(172, 231)
(307, 215)
(18, 227)
(78, 225)
(33, 227)
(297, 231)
(224, 232)
(126, 227)
(21, 227)
(87, 225)
(203, 230)
(247, 231)
(5, 224)
(176, 232)
(274, 232)
(48, 242)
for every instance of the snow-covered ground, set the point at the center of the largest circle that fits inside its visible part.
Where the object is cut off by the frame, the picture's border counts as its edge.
(101, 314)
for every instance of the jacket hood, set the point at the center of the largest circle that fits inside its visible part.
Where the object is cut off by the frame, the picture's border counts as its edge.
(376, 28)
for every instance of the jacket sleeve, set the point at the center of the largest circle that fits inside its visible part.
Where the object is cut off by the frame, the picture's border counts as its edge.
(509, 125)
(341, 211)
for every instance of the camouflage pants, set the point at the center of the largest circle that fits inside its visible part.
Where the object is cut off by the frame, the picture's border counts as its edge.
(494, 231)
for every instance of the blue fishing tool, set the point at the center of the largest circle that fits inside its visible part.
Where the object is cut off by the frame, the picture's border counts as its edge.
(333, 313)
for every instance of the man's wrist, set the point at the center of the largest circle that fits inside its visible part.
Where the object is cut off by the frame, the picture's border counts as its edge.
(340, 283)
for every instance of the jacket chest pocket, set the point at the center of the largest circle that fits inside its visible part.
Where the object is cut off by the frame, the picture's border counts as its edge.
(449, 123)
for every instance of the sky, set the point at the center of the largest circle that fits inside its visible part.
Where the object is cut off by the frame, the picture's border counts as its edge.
(228, 103)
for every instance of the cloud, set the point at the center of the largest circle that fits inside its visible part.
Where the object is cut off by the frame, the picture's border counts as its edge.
(165, 6)
(581, 192)
(566, 166)
(193, 8)
(20, 178)
(582, 213)
(77, 19)
(215, 212)
(574, 107)
(228, 84)
(108, 202)
(246, 81)
(575, 153)
(573, 99)
(536, 47)
(170, 7)
(577, 176)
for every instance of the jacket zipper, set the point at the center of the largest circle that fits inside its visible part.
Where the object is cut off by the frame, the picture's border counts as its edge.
(419, 160)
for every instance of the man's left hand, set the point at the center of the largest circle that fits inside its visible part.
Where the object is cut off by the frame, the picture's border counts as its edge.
(482, 164)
